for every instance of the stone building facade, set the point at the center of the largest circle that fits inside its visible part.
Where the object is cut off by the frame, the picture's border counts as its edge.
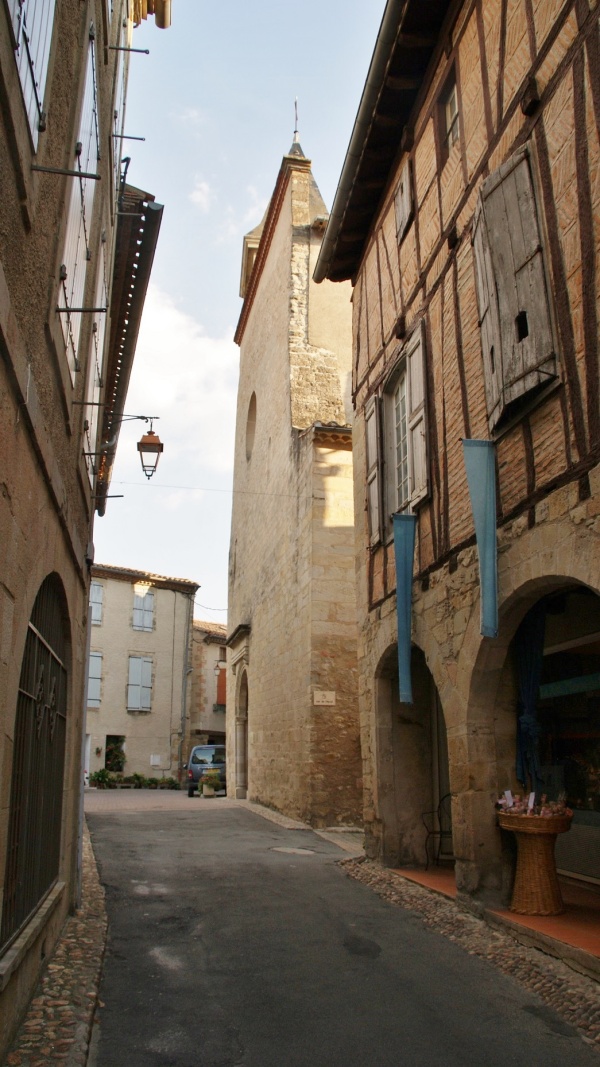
(140, 667)
(292, 717)
(208, 701)
(467, 217)
(73, 279)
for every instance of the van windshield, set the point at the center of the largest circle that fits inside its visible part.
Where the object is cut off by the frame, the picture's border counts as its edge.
(208, 755)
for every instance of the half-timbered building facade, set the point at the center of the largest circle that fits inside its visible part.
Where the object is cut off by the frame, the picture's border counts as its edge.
(467, 217)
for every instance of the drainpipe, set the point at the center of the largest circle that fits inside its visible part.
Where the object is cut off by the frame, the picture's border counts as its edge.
(88, 642)
(187, 670)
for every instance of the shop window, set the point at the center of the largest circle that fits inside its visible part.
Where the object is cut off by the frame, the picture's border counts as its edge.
(32, 22)
(513, 294)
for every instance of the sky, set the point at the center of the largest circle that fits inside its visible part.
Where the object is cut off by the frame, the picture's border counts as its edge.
(214, 101)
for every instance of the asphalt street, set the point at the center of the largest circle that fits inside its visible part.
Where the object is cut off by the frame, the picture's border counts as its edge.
(234, 942)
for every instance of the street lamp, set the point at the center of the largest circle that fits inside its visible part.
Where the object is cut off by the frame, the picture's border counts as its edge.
(150, 447)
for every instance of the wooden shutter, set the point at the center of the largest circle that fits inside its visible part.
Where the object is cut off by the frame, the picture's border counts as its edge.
(96, 597)
(94, 680)
(417, 416)
(513, 264)
(134, 683)
(77, 253)
(146, 687)
(222, 686)
(373, 457)
(489, 321)
(95, 368)
(32, 22)
(403, 201)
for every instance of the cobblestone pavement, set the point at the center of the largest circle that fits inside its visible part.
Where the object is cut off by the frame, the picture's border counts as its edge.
(57, 1027)
(573, 996)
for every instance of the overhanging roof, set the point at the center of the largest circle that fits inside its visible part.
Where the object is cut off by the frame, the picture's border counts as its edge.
(137, 234)
(407, 39)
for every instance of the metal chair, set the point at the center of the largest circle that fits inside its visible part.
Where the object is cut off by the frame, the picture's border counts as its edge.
(438, 824)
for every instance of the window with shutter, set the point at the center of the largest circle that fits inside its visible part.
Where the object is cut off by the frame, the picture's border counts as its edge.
(143, 611)
(94, 680)
(77, 251)
(32, 22)
(405, 430)
(139, 686)
(519, 353)
(403, 201)
(95, 365)
(373, 458)
(96, 599)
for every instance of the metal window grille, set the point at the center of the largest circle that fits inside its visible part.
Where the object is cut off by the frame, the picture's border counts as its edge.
(32, 22)
(34, 825)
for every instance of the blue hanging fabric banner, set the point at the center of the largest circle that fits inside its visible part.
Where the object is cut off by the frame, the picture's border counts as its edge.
(404, 551)
(481, 477)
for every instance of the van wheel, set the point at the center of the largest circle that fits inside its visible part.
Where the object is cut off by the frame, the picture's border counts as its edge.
(191, 790)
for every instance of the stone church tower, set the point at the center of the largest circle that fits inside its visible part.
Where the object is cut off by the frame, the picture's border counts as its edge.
(292, 720)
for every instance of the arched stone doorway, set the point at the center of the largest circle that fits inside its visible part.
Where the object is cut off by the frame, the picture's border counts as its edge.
(411, 762)
(241, 738)
(568, 723)
(35, 815)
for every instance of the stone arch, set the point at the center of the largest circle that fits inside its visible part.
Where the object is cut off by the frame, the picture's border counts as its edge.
(407, 771)
(483, 703)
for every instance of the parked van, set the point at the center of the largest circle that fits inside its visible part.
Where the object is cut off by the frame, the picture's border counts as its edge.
(205, 758)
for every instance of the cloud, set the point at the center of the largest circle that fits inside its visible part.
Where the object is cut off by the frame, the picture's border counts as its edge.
(190, 381)
(202, 195)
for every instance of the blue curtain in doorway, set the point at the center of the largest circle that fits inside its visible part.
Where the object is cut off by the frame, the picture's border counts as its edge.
(529, 652)
(404, 551)
(480, 464)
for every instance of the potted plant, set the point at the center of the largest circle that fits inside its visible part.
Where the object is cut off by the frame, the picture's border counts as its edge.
(211, 781)
(101, 778)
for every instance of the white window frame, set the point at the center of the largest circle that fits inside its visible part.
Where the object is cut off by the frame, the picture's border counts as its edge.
(143, 611)
(94, 686)
(139, 683)
(96, 602)
(32, 22)
(373, 461)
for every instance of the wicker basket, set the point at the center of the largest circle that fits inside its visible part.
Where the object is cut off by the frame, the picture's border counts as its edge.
(536, 890)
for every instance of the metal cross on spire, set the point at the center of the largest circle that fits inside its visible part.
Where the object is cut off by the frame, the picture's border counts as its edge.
(296, 135)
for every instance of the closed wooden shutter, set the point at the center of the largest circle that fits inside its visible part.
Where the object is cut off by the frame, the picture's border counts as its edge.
(77, 253)
(417, 417)
(95, 367)
(373, 469)
(94, 680)
(512, 287)
(222, 686)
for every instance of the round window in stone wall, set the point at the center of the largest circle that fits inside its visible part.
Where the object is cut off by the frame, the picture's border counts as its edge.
(251, 426)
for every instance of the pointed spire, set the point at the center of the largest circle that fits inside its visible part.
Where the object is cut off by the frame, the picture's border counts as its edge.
(296, 149)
